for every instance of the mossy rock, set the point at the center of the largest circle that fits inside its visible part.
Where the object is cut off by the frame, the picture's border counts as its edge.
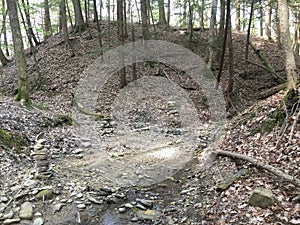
(46, 194)
(13, 140)
(59, 120)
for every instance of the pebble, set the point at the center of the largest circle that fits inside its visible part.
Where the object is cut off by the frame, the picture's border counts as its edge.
(38, 221)
(2, 207)
(94, 200)
(128, 205)
(81, 206)
(10, 221)
(30, 183)
(122, 210)
(44, 194)
(86, 144)
(145, 202)
(58, 207)
(26, 211)
(147, 215)
(134, 219)
(140, 206)
(77, 151)
(8, 215)
(3, 199)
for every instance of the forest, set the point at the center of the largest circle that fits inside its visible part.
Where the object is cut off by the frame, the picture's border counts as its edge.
(149, 112)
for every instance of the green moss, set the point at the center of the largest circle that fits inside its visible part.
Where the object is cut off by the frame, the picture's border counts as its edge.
(59, 120)
(13, 140)
(46, 194)
(277, 119)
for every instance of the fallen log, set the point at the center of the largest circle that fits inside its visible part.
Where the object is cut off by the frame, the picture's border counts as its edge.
(257, 163)
(271, 91)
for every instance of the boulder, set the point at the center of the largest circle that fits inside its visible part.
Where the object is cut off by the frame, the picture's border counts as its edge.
(261, 197)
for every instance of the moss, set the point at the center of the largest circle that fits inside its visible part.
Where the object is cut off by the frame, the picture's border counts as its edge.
(59, 120)
(277, 119)
(46, 194)
(13, 140)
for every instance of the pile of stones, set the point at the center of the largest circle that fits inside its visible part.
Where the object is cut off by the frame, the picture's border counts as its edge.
(41, 156)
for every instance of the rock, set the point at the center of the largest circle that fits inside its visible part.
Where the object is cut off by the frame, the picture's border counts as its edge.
(45, 194)
(2, 207)
(122, 210)
(140, 206)
(81, 206)
(77, 151)
(10, 221)
(296, 199)
(144, 202)
(38, 221)
(8, 215)
(94, 200)
(128, 205)
(85, 144)
(147, 215)
(26, 211)
(30, 183)
(58, 207)
(134, 219)
(261, 197)
(3, 199)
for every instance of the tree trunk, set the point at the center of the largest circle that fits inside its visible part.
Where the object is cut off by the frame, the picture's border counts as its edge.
(168, 12)
(261, 16)
(23, 89)
(69, 13)
(98, 25)
(79, 22)
(4, 30)
(221, 30)
(230, 48)
(120, 19)
(297, 34)
(190, 28)
(47, 21)
(238, 15)
(248, 38)
(278, 32)
(144, 19)
(162, 15)
(290, 65)
(224, 42)
(3, 59)
(26, 7)
(212, 33)
(64, 23)
(268, 18)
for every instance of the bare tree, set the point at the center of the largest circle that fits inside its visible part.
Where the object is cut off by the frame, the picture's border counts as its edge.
(161, 15)
(268, 18)
(79, 22)
(212, 33)
(64, 23)
(23, 89)
(238, 15)
(290, 65)
(47, 21)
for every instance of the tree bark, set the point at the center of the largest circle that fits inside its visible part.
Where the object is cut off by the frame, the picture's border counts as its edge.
(161, 15)
(47, 21)
(79, 22)
(261, 16)
(290, 65)
(268, 19)
(230, 48)
(144, 13)
(120, 19)
(3, 59)
(238, 15)
(63, 16)
(248, 38)
(23, 89)
(4, 30)
(212, 33)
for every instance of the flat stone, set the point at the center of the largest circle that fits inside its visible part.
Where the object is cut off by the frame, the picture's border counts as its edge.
(38, 221)
(30, 183)
(58, 207)
(77, 151)
(122, 210)
(81, 206)
(128, 205)
(10, 221)
(8, 215)
(147, 215)
(85, 144)
(140, 206)
(261, 197)
(145, 202)
(134, 219)
(2, 207)
(94, 200)
(3, 199)
(26, 211)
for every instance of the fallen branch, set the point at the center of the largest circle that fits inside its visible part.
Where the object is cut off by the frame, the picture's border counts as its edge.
(265, 61)
(259, 164)
(271, 91)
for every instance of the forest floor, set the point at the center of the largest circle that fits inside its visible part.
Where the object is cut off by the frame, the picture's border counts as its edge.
(143, 166)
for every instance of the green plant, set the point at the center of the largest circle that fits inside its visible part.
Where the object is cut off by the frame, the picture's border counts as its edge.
(277, 119)
(13, 140)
